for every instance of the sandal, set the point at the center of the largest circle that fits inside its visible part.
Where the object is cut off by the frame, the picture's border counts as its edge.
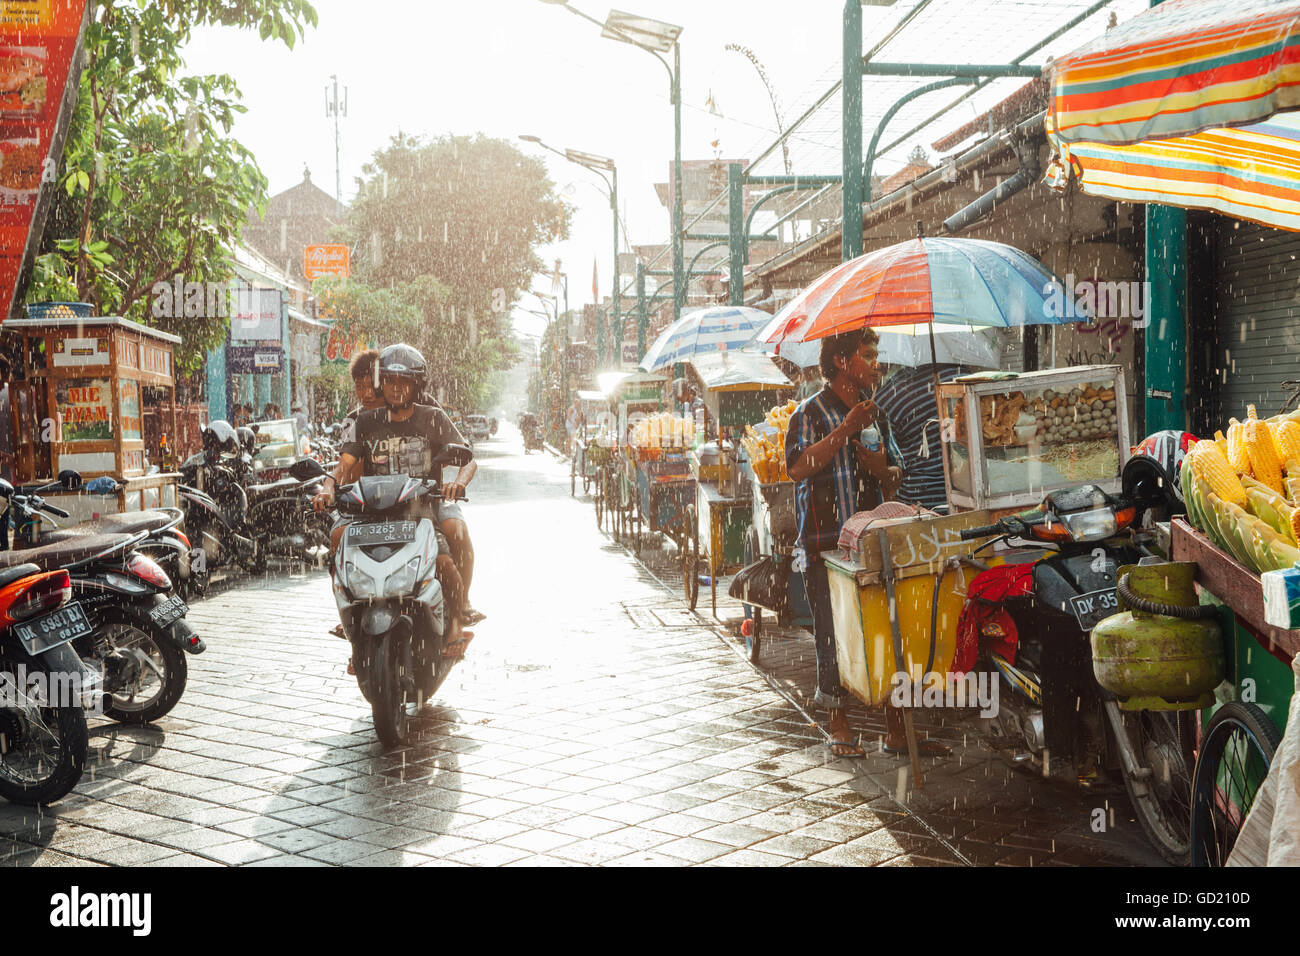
(857, 749)
(456, 649)
(337, 630)
(352, 671)
(471, 616)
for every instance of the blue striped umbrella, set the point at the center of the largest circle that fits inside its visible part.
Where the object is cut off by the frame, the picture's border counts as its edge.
(719, 328)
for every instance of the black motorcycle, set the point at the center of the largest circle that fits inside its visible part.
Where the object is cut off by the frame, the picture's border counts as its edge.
(231, 518)
(1052, 715)
(137, 634)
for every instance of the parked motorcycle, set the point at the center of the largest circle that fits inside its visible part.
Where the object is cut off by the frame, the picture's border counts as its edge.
(388, 595)
(235, 519)
(1033, 622)
(138, 635)
(43, 742)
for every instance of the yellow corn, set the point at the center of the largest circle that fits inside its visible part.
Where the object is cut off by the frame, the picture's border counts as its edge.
(1251, 414)
(1211, 466)
(1238, 457)
(1288, 440)
(1295, 524)
(1264, 459)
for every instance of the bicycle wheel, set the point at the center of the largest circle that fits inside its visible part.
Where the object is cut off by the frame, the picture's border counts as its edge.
(598, 499)
(1238, 749)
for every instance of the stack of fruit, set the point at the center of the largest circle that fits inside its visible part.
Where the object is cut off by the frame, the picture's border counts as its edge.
(765, 444)
(1243, 490)
(663, 431)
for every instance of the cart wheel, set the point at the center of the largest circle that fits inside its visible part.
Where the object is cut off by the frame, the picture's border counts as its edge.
(691, 561)
(1238, 749)
(573, 475)
(598, 500)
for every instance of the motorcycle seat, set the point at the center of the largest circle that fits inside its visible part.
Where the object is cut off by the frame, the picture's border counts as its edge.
(131, 522)
(273, 488)
(17, 573)
(61, 553)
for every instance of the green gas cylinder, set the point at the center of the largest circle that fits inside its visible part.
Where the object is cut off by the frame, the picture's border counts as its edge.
(1164, 650)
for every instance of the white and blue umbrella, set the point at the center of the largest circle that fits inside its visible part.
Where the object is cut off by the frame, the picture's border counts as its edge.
(719, 328)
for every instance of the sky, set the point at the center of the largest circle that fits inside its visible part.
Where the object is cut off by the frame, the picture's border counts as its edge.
(511, 67)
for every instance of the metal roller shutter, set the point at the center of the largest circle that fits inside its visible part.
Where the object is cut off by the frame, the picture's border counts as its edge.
(1257, 317)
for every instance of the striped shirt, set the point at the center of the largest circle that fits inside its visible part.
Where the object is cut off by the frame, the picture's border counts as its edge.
(907, 399)
(836, 492)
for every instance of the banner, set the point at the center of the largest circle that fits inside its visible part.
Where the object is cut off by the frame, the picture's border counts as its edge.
(85, 409)
(39, 69)
(340, 350)
(255, 315)
(255, 359)
(333, 259)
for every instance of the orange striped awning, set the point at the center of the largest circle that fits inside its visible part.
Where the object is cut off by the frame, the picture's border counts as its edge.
(1189, 104)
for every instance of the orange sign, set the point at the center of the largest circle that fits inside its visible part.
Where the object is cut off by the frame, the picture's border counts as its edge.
(326, 260)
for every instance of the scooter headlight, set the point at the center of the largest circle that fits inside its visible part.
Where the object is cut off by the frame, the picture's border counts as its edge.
(358, 582)
(1096, 525)
(403, 581)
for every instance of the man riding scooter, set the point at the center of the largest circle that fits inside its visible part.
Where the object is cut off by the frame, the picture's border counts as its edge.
(404, 438)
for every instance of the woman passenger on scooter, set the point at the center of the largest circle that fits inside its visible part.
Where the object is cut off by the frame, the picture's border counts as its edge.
(404, 438)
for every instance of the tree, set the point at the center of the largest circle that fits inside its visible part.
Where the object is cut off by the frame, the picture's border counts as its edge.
(455, 223)
(153, 185)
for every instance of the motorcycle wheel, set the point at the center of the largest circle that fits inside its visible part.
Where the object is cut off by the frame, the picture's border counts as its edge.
(1240, 742)
(1163, 744)
(388, 708)
(162, 680)
(254, 563)
(42, 753)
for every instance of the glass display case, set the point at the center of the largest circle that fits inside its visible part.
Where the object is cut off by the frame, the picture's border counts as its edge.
(1009, 439)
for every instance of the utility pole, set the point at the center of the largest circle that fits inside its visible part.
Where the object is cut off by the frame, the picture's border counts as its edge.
(336, 109)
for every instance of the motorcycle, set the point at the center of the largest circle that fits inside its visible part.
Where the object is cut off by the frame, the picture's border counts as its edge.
(388, 595)
(43, 736)
(138, 636)
(236, 520)
(1033, 622)
(533, 437)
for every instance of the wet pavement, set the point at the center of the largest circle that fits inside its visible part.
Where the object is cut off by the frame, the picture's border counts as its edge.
(594, 722)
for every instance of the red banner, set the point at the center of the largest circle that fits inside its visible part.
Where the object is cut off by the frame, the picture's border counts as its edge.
(38, 43)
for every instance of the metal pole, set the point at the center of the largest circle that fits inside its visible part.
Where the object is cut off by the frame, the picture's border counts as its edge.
(679, 242)
(737, 242)
(642, 320)
(851, 227)
(564, 355)
(616, 330)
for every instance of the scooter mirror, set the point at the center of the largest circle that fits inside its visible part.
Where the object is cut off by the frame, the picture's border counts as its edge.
(306, 469)
(69, 479)
(457, 456)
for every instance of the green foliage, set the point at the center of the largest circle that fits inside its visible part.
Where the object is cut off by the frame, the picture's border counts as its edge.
(452, 224)
(153, 184)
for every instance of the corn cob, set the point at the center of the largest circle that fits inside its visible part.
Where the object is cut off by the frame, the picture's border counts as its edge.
(1251, 414)
(1238, 457)
(1213, 468)
(1222, 441)
(1288, 440)
(1264, 459)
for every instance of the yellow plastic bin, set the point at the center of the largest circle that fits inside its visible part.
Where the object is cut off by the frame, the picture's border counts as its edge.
(864, 639)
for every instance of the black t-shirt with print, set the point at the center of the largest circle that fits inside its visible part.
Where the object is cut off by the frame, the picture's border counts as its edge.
(402, 448)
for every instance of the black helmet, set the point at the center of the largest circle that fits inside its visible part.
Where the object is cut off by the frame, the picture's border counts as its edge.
(247, 439)
(403, 361)
(1154, 472)
(220, 439)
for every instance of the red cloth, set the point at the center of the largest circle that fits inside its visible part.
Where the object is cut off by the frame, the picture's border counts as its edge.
(984, 612)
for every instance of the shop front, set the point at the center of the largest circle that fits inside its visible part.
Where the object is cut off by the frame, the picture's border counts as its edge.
(80, 389)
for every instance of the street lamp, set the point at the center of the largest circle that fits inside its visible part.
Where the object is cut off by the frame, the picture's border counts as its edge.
(598, 165)
(655, 37)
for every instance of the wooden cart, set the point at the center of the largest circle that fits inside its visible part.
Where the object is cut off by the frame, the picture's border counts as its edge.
(774, 532)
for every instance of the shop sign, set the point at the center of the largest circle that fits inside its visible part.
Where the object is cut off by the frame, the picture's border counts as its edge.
(128, 403)
(264, 359)
(333, 259)
(85, 412)
(80, 352)
(38, 57)
(340, 349)
(255, 315)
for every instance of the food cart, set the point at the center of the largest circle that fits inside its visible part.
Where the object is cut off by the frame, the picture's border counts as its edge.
(77, 400)
(632, 396)
(1038, 431)
(738, 388)
(595, 441)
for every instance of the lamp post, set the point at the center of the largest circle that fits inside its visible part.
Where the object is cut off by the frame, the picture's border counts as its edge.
(599, 165)
(656, 38)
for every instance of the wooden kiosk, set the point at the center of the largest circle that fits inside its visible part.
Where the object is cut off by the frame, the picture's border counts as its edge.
(77, 403)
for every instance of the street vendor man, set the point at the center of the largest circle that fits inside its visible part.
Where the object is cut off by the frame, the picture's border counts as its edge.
(829, 453)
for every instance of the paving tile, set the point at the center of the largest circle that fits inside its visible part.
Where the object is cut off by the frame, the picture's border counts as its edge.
(693, 850)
